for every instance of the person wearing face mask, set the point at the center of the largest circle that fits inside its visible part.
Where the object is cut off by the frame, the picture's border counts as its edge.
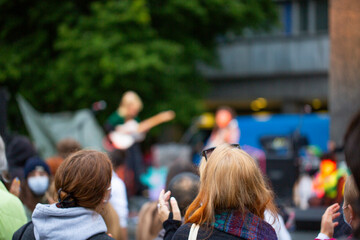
(83, 184)
(37, 181)
(349, 213)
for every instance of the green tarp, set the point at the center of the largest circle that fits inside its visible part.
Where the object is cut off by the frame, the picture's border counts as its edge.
(46, 129)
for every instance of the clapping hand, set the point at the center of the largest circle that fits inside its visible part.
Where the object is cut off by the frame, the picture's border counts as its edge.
(164, 209)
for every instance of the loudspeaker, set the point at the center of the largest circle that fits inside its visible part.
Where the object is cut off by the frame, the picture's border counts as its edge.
(280, 165)
(282, 174)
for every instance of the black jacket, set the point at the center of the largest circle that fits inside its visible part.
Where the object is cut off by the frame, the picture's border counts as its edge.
(175, 232)
(26, 232)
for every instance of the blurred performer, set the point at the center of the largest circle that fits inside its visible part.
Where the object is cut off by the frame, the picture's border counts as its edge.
(129, 108)
(226, 130)
(125, 131)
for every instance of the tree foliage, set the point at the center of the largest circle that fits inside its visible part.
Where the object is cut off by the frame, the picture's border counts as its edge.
(64, 55)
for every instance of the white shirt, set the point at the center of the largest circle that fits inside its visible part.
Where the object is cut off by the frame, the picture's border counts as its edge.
(119, 200)
(322, 236)
(278, 225)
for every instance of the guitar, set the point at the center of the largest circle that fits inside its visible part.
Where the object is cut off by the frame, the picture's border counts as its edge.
(125, 135)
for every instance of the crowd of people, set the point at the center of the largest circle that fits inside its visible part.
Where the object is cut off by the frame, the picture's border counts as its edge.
(83, 194)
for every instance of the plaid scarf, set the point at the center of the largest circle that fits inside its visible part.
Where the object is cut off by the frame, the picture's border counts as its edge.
(246, 226)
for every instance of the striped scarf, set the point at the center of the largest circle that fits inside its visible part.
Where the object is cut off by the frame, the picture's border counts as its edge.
(246, 226)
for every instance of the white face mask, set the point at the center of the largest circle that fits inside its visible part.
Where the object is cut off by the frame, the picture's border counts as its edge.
(348, 223)
(38, 184)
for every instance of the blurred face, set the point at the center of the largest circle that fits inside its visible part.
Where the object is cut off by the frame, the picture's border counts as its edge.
(132, 110)
(223, 118)
(38, 181)
(38, 172)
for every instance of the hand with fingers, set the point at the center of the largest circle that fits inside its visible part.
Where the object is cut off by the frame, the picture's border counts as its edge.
(15, 187)
(164, 209)
(327, 220)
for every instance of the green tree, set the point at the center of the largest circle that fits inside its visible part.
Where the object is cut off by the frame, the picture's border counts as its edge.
(63, 55)
(115, 49)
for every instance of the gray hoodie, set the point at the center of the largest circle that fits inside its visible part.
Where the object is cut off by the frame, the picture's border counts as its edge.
(51, 222)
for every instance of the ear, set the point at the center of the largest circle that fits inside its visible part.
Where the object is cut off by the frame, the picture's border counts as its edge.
(352, 213)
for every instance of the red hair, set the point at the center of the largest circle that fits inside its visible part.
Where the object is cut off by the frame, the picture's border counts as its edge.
(230, 180)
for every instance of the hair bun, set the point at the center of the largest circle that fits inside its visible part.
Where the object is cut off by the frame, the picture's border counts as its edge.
(66, 200)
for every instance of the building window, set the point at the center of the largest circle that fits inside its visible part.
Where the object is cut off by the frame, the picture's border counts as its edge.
(304, 16)
(321, 15)
(285, 16)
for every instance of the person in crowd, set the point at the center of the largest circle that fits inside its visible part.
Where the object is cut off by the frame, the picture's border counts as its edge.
(278, 224)
(64, 148)
(118, 198)
(184, 187)
(37, 181)
(149, 224)
(343, 229)
(128, 110)
(125, 132)
(111, 219)
(12, 214)
(18, 150)
(352, 158)
(177, 168)
(226, 130)
(83, 183)
(351, 206)
(231, 203)
(351, 196)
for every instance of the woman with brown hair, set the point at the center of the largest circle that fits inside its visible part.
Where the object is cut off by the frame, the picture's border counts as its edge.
(232, 199)
(83, 185)
(351, 206)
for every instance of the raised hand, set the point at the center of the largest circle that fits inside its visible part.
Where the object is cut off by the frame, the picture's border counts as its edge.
(327, 220)
(164, 209)
(15, 187)
(167, 115)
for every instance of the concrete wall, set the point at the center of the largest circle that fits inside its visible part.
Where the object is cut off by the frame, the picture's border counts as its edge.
(271, 56)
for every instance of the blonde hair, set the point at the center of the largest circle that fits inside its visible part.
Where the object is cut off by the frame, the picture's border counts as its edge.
(351, 193)
(229, 180)
(129, 98)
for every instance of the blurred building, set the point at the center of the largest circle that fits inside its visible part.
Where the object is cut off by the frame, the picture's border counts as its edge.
(286, 68)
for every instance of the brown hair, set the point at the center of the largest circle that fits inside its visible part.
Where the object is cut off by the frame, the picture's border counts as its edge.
(352, 158)
(351, 193)
(230, 180)
(85, 177)
(67, 146)
(179, 167)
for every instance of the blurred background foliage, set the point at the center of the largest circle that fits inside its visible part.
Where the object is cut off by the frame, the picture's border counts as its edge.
(65, 55)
